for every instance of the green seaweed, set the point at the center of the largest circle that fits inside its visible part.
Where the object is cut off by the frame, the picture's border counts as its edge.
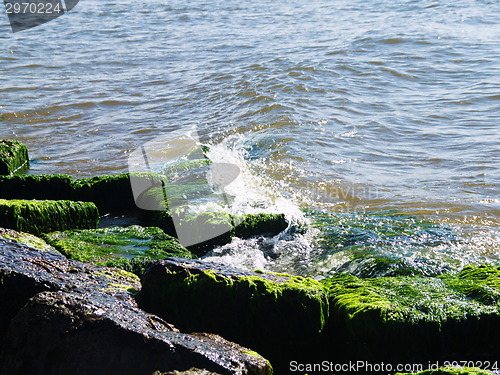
(258, 224)
(13, 157)
(174, 170)
(25, 239)
(279, 319)
(113, 193)
(385, 244)
(129, 248)
(56, 187)
(376, 316)
(37, 217)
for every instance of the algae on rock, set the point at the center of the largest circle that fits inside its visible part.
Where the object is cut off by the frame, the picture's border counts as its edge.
(13, 157)
(279, 316)
(129, 248)
(37, 217)
(417, 318)
(25, 239)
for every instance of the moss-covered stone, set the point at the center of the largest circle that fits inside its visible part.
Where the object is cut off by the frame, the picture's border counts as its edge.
(451, 371)
(279, 316)
(25, 239)
(259, 224)
(202, 232)
(56, 187)
(13, 157)
(417, 318)
(192, 166)
(37, 217)
(386, 243)
(128, 248)
(113, 193)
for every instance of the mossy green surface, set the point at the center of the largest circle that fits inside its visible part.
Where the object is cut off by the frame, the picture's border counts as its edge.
(13, 157)
(37, 217)
(279, 319)
(56, 187)
(173, 171)
(257, 224)
(451, 371)
(415, 318)
(113, 193)
(386, 244)
(25, 239)
(128, 248)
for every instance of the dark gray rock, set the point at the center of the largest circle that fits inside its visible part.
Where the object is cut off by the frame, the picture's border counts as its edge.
(59, 316)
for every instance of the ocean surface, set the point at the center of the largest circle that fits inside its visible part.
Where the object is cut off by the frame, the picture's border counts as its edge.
(373, 123)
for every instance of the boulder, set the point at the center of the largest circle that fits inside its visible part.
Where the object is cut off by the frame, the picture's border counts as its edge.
(110, 193)
(277, 315)
(129, 248)
(42, 187)
(95, 333)
(25, 239)
(38, 217)
(13, 157)
(114, 193)
(64, 316)
(202, 232)
(415, 318)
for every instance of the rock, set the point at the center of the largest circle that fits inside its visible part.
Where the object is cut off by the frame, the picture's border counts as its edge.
(25, 239)
(259, 224)
(64, 332)
(416, 319)
(386, 244)
(279, 315)
(38, 217)
(43, 187)
(110, 193)
(13, 157)
(129, 248)
(64, 316)
(114, 193)
(25, 271)
(202, 232)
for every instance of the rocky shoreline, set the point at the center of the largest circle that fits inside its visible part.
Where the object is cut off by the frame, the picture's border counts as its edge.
(125, 300)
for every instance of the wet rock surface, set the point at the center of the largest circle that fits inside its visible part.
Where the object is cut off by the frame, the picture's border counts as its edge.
(404, 319)
(64, 316)
(276, 314)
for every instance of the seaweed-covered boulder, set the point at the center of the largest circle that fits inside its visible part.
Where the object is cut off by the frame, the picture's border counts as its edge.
(25, 239)
(279, 316)
(13, 156)
(412, 319)
(38, 217)
(43, 187)
(202, 232)
(114, 193)
(129, 248)
(26, 271)
(62, 316)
